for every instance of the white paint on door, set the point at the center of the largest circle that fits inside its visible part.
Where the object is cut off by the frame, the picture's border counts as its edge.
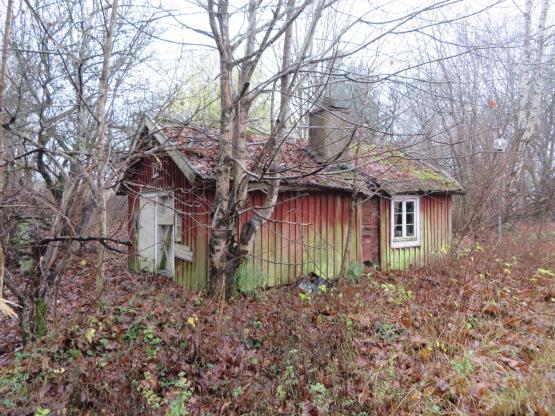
(155, 233)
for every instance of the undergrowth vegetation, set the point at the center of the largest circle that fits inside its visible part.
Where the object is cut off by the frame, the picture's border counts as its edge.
(471, 334)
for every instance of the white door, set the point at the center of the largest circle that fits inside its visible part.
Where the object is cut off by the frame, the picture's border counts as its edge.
(155, 233)
(165, 221)
(147, 232)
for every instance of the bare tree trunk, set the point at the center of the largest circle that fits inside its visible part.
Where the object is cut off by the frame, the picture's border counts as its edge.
(3, 70)
(229, 246)
(352, 220)
(530, 97)
(221, 237)
(101, 149)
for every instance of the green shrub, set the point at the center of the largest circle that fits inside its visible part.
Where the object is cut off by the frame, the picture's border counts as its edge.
(248, 278)
(354, 270)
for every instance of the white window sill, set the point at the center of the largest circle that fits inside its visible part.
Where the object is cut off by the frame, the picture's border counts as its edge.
(405, 244)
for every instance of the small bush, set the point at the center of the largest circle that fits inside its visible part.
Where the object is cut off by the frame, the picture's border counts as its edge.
(354, 271)
(248, 278)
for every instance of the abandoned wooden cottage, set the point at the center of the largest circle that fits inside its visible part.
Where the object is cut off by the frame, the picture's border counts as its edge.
(403, 213)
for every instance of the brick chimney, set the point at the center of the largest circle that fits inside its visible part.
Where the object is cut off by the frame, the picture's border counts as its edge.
(330, 131)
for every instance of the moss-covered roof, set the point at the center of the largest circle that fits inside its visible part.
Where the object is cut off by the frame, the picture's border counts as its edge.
(378, 168)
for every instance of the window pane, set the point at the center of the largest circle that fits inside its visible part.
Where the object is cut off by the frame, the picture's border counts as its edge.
(410, 218)
(398, 207)
(410, 206)
(398, 231)
(410, 230)
(398, 219)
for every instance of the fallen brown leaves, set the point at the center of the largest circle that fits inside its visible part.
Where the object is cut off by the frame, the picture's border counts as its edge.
(475, 336)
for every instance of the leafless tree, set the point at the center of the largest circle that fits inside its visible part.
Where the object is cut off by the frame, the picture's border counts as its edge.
(3, 69)
(470, 88)
(68, 121)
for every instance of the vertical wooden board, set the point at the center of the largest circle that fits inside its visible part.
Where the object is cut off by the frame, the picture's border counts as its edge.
(269, 246)
(324, 237)
(429, 237)
(265, 245)
(440, 223)
(333, 230)
(296, 236)
(340, 232)
(359, 233)
(200, 249)
(332, 253)
(383, 235)
(447, 220)
(314, 215)
(430, 221)
(304, 237)
(432, 225)
(279, 244)
(303, 232)
(311, 210)
(286, 245)
(272, 250)
(356, 230)
(258, 245)
(195, 279)
(450, 219)
(344, 203)
(316, 202)
(177, 277)
(293, 235)
(315, 218)
(291, 232)
(355, 245)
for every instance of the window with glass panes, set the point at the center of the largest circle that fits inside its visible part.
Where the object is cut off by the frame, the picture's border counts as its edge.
(405, 219)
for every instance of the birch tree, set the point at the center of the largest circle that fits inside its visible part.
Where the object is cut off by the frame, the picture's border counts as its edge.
(101, 156)
(228, 245)
(3, 69)
(531, 82)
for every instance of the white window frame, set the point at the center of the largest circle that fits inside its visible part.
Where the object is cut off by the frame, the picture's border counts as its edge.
(402, 242)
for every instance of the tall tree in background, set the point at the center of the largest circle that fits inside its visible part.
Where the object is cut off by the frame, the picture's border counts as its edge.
(101, 146)
(3, 69)
(531, 81)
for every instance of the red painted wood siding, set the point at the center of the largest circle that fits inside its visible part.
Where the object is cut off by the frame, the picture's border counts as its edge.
(371, 231)
(306, 232)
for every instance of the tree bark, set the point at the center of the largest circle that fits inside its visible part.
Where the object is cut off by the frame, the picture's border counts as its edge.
(3, 71)
(101, 149)
(530, 98)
